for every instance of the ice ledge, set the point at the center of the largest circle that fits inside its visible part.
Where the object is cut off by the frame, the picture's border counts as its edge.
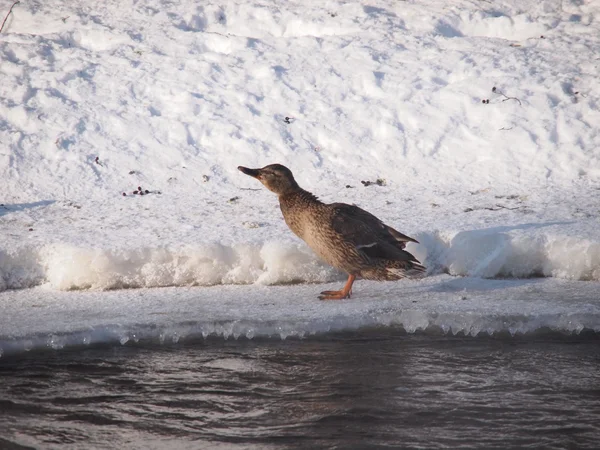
(42, 318)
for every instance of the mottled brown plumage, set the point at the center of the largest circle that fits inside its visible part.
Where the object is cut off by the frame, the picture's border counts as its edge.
(345, 236)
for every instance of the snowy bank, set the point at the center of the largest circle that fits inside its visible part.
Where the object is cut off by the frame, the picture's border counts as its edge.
(530, 250)
(480, 120)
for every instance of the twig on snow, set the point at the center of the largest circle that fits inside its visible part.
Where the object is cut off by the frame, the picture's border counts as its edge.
(506, 97)
(8, 14)
(498, 207)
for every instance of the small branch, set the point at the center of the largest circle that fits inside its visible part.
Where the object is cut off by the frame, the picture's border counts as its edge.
(9, 11)
(216, 32)
(499, 207)
(506, 97)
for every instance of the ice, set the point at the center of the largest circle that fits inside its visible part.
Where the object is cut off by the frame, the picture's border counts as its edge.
(98, 100)
(38, 318)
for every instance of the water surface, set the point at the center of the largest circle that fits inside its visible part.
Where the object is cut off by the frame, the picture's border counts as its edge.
(372, 389)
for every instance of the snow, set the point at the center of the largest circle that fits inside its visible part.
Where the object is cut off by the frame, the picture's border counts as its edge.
(173, 96)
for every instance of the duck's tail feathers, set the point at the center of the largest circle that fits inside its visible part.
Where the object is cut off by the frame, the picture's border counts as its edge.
(401, 239)
(391, 270)
(408, 269)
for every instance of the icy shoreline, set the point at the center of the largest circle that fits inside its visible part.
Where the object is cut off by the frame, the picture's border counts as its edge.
(40, 318)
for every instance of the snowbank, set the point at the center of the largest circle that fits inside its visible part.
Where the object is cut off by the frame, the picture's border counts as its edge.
(531, 250)
(569, 251)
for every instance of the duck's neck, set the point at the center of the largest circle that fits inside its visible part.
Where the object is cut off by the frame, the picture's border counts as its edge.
(298, 196)
(297, 207)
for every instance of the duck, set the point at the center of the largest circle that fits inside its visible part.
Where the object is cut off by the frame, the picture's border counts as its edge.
(345, 236)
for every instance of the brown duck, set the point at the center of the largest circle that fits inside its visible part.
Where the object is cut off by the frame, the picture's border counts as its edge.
(345, 236)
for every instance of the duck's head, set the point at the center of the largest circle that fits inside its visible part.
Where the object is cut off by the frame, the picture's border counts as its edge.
(275, 177)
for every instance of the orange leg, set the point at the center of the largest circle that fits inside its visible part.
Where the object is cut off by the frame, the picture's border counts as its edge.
(346, 292)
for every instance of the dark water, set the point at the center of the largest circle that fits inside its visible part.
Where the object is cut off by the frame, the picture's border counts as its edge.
(367, 390)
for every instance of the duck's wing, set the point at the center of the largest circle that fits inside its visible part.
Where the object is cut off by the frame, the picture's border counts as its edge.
(369, 234)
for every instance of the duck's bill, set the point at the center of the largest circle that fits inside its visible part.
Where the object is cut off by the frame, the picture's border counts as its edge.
(252, 172)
